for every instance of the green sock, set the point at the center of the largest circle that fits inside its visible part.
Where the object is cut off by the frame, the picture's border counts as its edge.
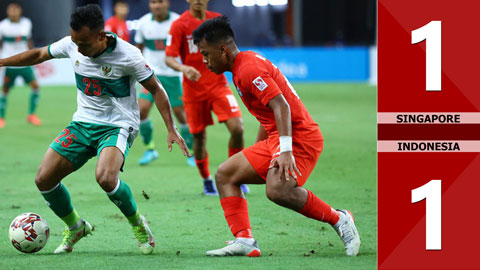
(146, 132)
(3, 104)
(187, 136)
(71, 219)
(134, 219)
(33, 101)
(122, 197)
(58, 199)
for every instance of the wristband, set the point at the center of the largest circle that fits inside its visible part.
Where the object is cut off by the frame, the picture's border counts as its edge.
(285, 143)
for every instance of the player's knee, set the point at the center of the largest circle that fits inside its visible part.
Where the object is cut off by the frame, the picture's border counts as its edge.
(221, 176)
(40, 180)
(274, 194)
(107, 179)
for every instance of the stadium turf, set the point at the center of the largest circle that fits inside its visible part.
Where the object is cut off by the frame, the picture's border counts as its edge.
(184, 222)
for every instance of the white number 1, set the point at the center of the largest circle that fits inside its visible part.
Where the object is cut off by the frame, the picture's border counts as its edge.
(432, 32)
(432, 192)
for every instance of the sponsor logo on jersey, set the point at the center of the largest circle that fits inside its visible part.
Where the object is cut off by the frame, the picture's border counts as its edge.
(107, 70)
(260, 83)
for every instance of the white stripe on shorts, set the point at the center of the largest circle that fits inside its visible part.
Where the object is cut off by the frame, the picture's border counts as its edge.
(122, 140)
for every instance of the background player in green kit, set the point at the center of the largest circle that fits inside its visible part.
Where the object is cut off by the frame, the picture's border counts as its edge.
(105, 123)
(151, 37)
(16, 37)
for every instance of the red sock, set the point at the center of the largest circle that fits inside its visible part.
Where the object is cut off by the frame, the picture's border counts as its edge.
(236, 214)
(319, 210)
(232, 151)
(202, 165)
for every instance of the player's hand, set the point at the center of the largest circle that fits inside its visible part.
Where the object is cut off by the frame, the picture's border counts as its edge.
(191, 73)
(286, 166)
(174, 137)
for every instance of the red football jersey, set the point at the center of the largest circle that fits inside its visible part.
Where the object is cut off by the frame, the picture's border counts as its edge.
(180, 43)
(118, 27)
(258, 81)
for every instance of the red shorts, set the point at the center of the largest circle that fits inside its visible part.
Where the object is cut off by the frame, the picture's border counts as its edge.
(199, 114)
(263, 153)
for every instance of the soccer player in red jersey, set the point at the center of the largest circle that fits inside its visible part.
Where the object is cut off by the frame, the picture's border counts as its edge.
(203, 90)
(288, 144)
(117, 23)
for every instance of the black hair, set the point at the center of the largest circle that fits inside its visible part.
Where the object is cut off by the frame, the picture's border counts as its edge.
(90, 16)
(123, 2)
(15, 3)
(214, 30)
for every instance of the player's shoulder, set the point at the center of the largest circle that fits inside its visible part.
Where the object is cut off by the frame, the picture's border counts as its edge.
(67, 40)
(127, 49)
(4, 22)
(181, 21)
(110, 20)
(250, 61)
(173, 15)
(212, 14)
(25, 20)
(145, 18)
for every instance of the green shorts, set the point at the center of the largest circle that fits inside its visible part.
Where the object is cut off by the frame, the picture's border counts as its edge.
(172, 85)
(81, 141)
(12, 73)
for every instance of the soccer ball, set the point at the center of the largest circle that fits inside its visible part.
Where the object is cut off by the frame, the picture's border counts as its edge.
(29, 232)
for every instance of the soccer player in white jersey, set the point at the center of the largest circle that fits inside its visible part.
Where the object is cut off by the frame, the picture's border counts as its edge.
(16, 37)
(151, 37)
(105, 123)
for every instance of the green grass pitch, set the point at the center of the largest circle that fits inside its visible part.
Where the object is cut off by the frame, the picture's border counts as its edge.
(184, 222)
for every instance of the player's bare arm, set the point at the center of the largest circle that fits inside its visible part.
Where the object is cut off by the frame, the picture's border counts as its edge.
(283, 119)
(190, 72)
(30, 44)
(27, 58)
(163, 105)
(140, 46)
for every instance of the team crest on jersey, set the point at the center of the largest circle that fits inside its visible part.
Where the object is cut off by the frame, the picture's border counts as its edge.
(260, 83)
(107, 70)
(77, 63)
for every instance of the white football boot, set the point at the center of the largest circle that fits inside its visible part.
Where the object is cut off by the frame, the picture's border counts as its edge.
(237, 247)
(347, 231)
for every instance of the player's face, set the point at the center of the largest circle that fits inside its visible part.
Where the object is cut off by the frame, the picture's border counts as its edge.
(89, 42)
(159, 7)
(121, 10)
(213, 57)
(198, 5)
(14, 12)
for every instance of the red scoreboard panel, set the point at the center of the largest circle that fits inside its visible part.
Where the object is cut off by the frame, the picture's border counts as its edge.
(428, 134)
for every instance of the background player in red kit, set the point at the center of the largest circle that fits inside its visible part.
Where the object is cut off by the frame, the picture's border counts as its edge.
(288, 144)
(203, 90)
(117, 23)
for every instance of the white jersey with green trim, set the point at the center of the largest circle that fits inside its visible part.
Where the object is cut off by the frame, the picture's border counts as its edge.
(153, 35)
(106, 84)
(14, 36)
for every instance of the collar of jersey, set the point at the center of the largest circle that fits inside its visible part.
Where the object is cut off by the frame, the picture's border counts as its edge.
(166, 19)
(111, 47)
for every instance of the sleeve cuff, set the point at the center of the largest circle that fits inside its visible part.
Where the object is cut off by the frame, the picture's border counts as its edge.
(148, 78)
(49, 52)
